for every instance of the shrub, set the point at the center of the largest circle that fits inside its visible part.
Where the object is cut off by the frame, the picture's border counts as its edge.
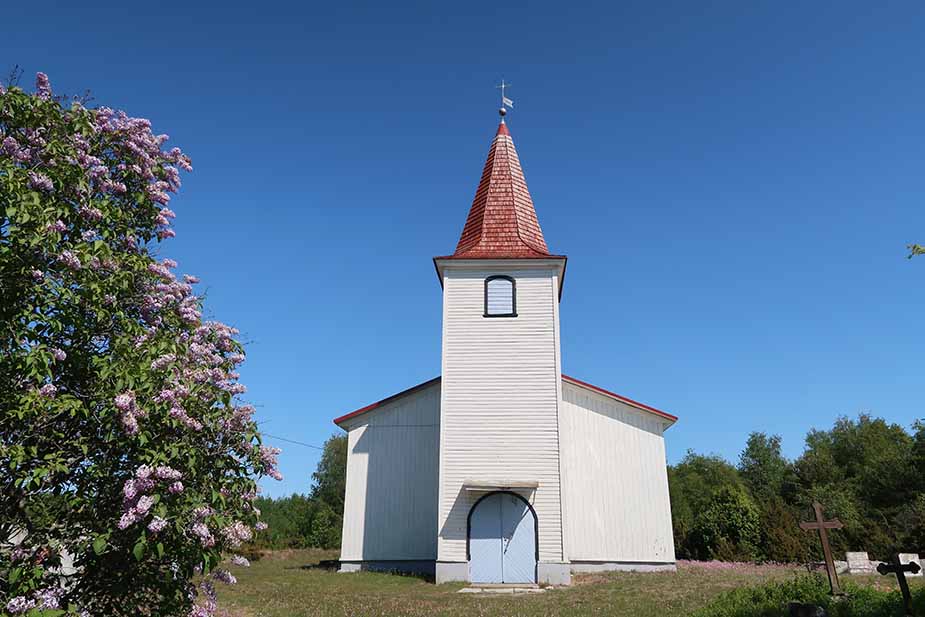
(728, 528)
(123, 442)
(772, 600)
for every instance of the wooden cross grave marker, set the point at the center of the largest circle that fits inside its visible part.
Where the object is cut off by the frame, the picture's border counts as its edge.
(821, 525)
(900, 569)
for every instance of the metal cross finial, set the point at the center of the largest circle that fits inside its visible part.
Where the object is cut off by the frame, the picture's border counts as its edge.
(505, 102)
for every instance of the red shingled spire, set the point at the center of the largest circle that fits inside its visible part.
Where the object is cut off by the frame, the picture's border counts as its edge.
(502, 222)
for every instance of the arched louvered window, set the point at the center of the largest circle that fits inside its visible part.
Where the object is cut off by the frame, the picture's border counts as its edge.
(500, 297)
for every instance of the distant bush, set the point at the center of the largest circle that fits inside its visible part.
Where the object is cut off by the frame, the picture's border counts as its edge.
(772, 600)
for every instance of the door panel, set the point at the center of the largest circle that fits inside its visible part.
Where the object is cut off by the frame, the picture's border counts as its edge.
(502, 541)
(485, 546)
(518, 541)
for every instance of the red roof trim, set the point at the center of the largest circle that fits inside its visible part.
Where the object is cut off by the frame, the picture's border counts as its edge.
(389, 399)
(622, 399)
(572, 380)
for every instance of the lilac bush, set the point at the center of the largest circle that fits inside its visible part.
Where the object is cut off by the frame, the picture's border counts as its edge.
(124, 444)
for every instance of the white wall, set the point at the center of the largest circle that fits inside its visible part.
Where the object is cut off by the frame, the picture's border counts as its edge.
(390, 506)
(615, 480)
(500, 401)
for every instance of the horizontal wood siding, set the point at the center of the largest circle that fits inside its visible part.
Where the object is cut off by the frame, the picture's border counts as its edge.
(500, 399)
(615, 480)
(390, 506)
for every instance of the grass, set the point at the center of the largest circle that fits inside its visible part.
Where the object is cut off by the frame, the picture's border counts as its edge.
(287, 584)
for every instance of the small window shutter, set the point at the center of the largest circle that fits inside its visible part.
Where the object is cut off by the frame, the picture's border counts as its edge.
(499, 296)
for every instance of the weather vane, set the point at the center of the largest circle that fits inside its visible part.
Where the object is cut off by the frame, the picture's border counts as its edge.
(505, 102)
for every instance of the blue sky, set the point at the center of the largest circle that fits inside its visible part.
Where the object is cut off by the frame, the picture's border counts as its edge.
(734, 184)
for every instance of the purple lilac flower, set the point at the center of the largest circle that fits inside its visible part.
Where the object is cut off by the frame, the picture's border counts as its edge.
(175, 487)
(128, 519)
(49, 599)
(19, 605)
(157, 524)
(59, 354)
(236, 533)
(130, 489)
(48, 390)
(163, 361)
(180, 414)
(88, 235)
(69, 259)
(40, 182)
(260, 526)
(91, 213)
(167, 473)
(201, 531)
(125, 401)
(224, 576)
(37, 275)
(11, 148)
(42, 86)
(58, 226)
(144, 504)
(163, 234)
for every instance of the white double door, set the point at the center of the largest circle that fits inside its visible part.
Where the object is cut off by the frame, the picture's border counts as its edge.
(502, 540)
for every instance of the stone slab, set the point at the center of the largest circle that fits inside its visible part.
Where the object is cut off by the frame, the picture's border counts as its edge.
(859, 563)
(501, 589)
(451, 571)
(906, 558)
(551, 573)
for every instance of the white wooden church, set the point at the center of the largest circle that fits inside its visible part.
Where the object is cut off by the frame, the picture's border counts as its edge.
(503, 469)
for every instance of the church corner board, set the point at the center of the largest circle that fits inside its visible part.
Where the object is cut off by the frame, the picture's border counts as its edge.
(503, 469)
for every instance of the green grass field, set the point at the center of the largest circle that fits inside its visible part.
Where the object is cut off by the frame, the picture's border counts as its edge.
(287, 584)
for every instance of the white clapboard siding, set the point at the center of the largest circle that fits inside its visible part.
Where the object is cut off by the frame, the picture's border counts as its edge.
(615, 480)
(390, 506)
(500, 399)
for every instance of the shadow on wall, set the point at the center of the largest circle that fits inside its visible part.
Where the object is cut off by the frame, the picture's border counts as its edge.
(400, 517)
(456, 525)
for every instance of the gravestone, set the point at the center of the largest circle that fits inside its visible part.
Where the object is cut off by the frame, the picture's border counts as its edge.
(905, 558)
(859, 563)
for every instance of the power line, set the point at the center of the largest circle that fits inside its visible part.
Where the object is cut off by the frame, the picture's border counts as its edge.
(298, 443)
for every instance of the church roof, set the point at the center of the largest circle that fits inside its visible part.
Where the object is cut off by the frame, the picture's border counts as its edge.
(641, 406)
(502, 221)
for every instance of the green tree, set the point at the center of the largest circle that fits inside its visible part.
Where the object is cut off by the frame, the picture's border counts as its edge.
(763, 468)
(863, 471)
(692, 484)
(330, 477)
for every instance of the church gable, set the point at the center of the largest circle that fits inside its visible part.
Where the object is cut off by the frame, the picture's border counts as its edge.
(410, 407)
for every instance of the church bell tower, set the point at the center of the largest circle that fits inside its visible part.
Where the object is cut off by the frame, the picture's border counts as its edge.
(501, 370)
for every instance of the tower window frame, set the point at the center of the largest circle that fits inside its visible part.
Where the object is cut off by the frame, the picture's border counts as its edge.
(510, 279)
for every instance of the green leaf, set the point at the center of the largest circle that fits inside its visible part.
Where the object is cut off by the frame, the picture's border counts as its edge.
(139, 550)
(99, 545)
(15, 573)
(160, 549)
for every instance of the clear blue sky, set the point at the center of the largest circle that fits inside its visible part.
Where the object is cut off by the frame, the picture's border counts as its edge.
(733, 182)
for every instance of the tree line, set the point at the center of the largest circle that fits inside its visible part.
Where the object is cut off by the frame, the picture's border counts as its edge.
(865, 471)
